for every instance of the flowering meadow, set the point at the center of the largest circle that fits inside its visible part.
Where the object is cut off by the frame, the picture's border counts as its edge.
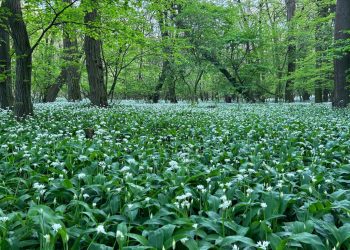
(160, 177)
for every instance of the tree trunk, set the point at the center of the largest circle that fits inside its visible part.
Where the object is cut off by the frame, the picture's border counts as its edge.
(70, 72)
(305, 96)
(321, 34)
(94, 65)
(172, 91)
(167, 55)
(325, 95)
(342, 62)
(289, 93)
(23, 104)
(72, 69)
(53, 90)
(6, 96)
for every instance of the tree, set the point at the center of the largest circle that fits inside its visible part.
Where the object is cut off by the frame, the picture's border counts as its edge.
(342, 61)
(94, 64)
(23, 104)
(70, 69)
(167, 72)
(291, 54)
(6, 96)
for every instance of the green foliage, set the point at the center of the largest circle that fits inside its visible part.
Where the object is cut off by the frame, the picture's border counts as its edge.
(249, 39)
(158, 177)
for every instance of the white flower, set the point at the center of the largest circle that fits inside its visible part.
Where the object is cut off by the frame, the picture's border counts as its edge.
(125, 169)
(119, 235)
(173, 164)
(100, 229)
(263, 205)
(226, 204)
(195, 226)
(81, 176)
(86, 196)
(183, 240)
(38, 186)
(235, 247)
(263, 244)
(83, 158)
(56, 227)
(47, 238)
(4, 218)
(249, 191)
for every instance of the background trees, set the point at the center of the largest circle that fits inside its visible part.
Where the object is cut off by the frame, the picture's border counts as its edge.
(173, 50)
(6, 96)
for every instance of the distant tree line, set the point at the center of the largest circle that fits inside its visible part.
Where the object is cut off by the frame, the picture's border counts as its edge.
(174, 50)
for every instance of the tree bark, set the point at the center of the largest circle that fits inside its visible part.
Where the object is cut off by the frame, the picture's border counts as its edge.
(53, 90)
(23, 104)
(289, 93)
(94, 64)
(342, 62)
(172, 91)
(6, 96)
(166, 73)
(72, 69)
(322, 12)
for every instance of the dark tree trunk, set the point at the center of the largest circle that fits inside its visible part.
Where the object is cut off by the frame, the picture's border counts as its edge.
(94, 64)
(70, 73)
(72, 69)
(166, 73)
(228, 99)
(6, 96)
(321, 35)
(166, 70)
(325, 95)
(53, 90)
(305, 96)
(172, 91)
(23, 104)
(342, 62)
(289, 93)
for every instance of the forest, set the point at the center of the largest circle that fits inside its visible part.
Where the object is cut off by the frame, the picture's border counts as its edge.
(232, 50)
(174, 124)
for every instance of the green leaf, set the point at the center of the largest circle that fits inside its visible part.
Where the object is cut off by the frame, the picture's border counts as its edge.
(309, 239)
(139, 238)
(232, 239)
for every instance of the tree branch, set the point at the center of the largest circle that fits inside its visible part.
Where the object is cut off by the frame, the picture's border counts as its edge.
(52, 23)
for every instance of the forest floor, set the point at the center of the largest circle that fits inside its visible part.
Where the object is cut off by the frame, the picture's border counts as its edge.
(267, 176)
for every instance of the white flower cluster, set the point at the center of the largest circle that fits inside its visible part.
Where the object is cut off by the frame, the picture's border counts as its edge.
(263, 245)
(183, 201)
(39, 187)
(225, 203)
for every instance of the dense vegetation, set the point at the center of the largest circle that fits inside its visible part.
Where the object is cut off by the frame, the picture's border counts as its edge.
(175, 50)
(96, 170)
(153, 176)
